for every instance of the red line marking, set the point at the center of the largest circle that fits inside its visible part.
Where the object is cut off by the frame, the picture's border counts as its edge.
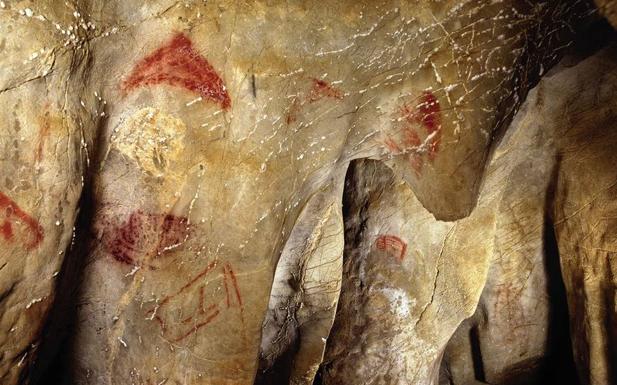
(204, 272)
(160, 321)
(416, 162)
(166, 311)
(227, 301)
(393, 245)
(42, 136)
(178, 64)
(429, 111)
(235, 282)
(174, 232)
(12, 213)
(197, 327)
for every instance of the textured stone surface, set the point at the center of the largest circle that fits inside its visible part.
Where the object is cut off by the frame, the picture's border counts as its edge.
(406, 322)
(45, 145)
(206, 146)
(572, 116)
(585, 208)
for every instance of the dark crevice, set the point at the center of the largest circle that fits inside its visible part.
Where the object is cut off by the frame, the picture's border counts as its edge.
(559, 366)
(280, 371)
(476, 354)
(359, 191)
(318, 378)
(52, 365)
(610, 324)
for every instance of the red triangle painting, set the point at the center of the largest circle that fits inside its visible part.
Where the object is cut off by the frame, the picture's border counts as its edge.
(178, 64)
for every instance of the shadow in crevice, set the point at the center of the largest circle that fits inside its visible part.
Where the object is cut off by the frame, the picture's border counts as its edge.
(280, 370)
(611, 324)
(559, 366)
(52, 366)
(53, 362)
(476, 354)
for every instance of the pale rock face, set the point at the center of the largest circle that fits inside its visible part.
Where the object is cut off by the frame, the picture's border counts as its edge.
(512, 334)
(209, 143)
(395, 247)
(46, 143)
(569, 118)
(584, 210)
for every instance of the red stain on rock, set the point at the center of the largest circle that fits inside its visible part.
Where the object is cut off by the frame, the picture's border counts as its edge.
(13, 216)
(143, 236)
(206, 303)
(323, 89)
(425, 113)
(43, 133)
(392, 245)
(229, 272)
(294, 110)
(319, 90)
(393, 146)
(178, 64)
(7, 230)
(429, 115)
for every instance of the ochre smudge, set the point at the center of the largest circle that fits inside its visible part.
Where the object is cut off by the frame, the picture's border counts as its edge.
(44, 131)
(429, 115)
(178, 64)
(319, 90)
(392, 245)
(143, 236)
(322, 89)
(293, 112)
(424, 113)
(11, 215)
(51, 127)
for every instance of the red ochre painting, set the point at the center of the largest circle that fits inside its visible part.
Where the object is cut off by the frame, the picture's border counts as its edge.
(17, 225)
(178, 64)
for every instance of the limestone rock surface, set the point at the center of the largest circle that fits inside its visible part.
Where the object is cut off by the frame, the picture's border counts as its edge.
(333, 192)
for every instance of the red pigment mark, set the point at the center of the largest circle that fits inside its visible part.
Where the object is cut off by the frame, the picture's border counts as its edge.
(393, 245)
(178, 64)
(176, 323)
(392, 146)
(320, 89)
(426, 114)
(507, 302)
(12, 216)
(230, 272)
(144, 235)
(45, 124)
(294, 110)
